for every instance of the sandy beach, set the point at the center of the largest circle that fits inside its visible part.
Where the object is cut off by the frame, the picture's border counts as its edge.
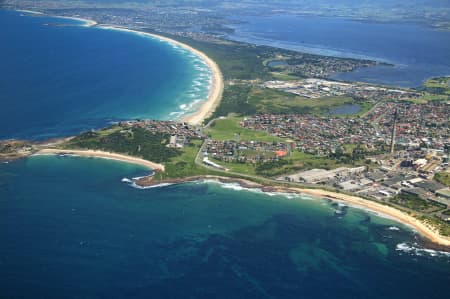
(30, 12)
(87, 23)
(216, 89)
(104, 155)
(423, 229)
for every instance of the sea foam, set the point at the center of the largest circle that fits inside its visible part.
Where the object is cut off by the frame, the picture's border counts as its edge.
(414, 249)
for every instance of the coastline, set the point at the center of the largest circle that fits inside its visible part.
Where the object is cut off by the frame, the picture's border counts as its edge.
(427, 231)
(87, 23)
(216, 87)
(208, 106)
(104, 155)
(206, 109)
(430, 233)
(30, 11)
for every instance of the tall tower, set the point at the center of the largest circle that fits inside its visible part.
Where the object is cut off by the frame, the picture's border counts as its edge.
(394, 131)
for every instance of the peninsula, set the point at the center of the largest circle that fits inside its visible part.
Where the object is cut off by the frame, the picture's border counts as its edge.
(269, 123)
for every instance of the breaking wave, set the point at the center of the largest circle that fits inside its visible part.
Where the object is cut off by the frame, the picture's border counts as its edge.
(414, 249)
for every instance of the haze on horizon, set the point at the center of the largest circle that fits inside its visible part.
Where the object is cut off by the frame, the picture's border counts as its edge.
(296, 3)
(428, 11)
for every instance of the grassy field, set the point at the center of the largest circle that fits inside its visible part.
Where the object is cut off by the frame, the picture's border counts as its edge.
(441, 225)
(284, 77)
(416, 203)
(248, 100)
(226, 129)
(249, 169)
(443, 178)
(436, 89)
(427, 97)
(184, 164)
(236, 60)
(304, 161)
(441, 82)
(235, 99)
(274, 101)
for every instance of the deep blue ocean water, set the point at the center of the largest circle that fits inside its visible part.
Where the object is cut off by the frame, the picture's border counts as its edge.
(418, 52)
(59, 78)
(66, 234)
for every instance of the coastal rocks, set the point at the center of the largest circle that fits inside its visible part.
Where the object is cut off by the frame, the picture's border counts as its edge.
(149, 181)
(11, 150)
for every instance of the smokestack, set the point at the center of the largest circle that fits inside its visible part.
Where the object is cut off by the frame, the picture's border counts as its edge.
(394, 131)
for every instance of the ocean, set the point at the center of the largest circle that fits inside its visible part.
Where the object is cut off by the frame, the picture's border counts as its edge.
(59, 78)
(69, 228)
(418, 52)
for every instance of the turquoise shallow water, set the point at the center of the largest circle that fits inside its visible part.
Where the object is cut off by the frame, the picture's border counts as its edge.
(59, 78)
(70, 228)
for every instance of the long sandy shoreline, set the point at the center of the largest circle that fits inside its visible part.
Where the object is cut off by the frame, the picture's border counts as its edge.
(87, 23)
(423, 229)
(208, 107)
(216, 89)
(104, 155)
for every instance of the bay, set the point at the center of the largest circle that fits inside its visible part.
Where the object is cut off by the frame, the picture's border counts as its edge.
(59, 78)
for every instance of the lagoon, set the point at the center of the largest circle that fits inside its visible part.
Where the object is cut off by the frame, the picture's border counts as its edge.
(346, 109)
(417, 52)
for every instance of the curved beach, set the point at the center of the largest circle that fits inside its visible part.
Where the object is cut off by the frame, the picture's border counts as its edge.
(217, 85)
(104, 155)
(87, 23)
(422, 228)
